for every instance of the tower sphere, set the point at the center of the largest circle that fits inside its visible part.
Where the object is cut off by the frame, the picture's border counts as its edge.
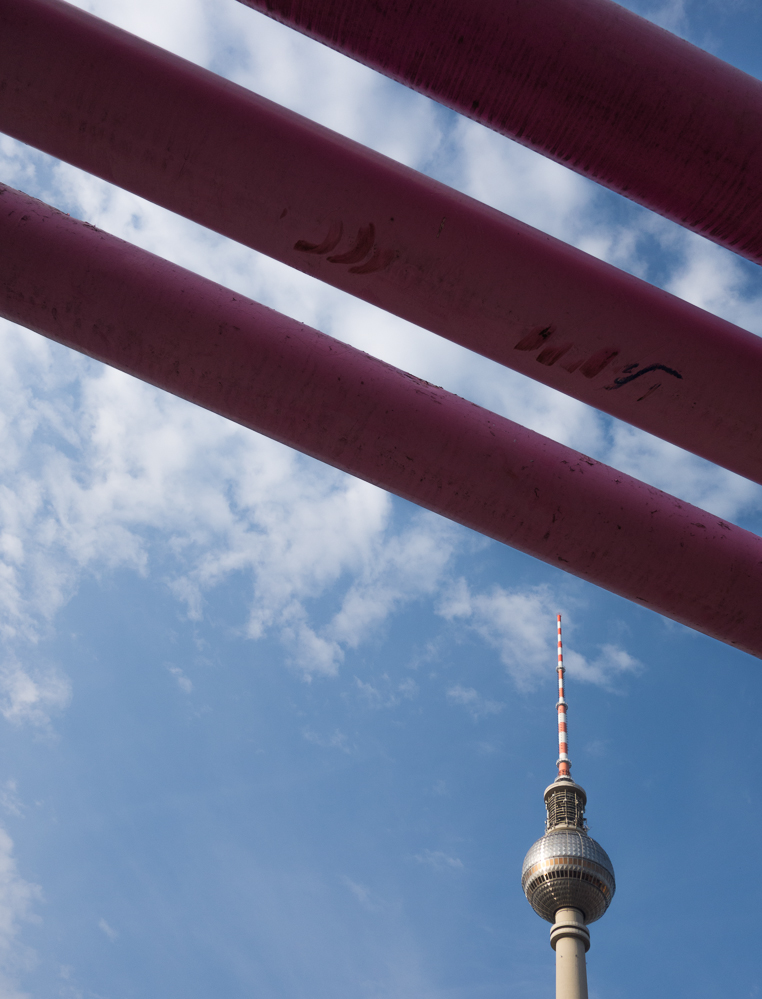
(566, 868)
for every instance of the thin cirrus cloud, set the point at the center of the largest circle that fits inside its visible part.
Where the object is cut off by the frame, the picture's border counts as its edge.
(18, 899)
(439, 861)
(32, 694)
(475, 703)
(109, 931)
(514, 623)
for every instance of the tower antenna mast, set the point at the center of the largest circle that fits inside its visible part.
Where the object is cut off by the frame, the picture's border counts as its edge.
(563, 763)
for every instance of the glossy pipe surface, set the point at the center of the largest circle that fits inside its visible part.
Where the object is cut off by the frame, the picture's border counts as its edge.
(161, 323)
(585, 82)
(127, 111)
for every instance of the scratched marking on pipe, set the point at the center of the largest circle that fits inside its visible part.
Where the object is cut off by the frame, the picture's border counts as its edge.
(364, 249)
(591, 366)
(619, 382)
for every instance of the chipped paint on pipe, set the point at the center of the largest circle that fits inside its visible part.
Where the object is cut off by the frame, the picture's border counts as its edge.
(87, 92)
(585, 82)
(183, 333)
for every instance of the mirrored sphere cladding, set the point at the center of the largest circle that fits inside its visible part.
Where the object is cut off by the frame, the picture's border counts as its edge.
(568, 869)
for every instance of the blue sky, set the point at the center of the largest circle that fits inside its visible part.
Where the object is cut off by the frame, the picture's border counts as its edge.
(267, 731)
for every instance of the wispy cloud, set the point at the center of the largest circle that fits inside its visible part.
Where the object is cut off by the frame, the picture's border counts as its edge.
(17, 898)
(516, 624)
(32, 694)
(362, 893)
(109, 931)
(477, 705)
(183, 682)
(9, 799)
(385, 693)
(439, 861)
(337, 740)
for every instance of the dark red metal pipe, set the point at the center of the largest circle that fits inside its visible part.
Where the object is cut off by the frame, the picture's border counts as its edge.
(114, 105)
(584, 82)
(137, 312)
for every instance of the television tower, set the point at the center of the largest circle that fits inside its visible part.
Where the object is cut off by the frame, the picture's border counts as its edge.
(567, 876)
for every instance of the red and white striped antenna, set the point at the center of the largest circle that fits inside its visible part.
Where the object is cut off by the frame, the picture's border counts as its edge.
(563, 763)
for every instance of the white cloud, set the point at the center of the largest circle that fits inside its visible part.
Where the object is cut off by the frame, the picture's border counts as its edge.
(361, 893)
(439, 861)
(717, 281)
(408, 688)
(605, 668)
(518, 624)
(397, 569)
(33, 694)
(313, 654)
(9, 799)
(101, 471)
(330, 88)
(385, 693)
(183, 682)
(17, 898)
(108, 930)
(516, 180)
(131, 461)
(477, 705)
(670, 15)
(337, 740)
(180, 27)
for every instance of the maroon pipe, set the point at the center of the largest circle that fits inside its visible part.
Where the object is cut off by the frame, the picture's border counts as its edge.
(184, 138)
(152, 319)
(585, 82)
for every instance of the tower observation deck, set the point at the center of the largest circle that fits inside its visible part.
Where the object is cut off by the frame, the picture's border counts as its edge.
(567, 877)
